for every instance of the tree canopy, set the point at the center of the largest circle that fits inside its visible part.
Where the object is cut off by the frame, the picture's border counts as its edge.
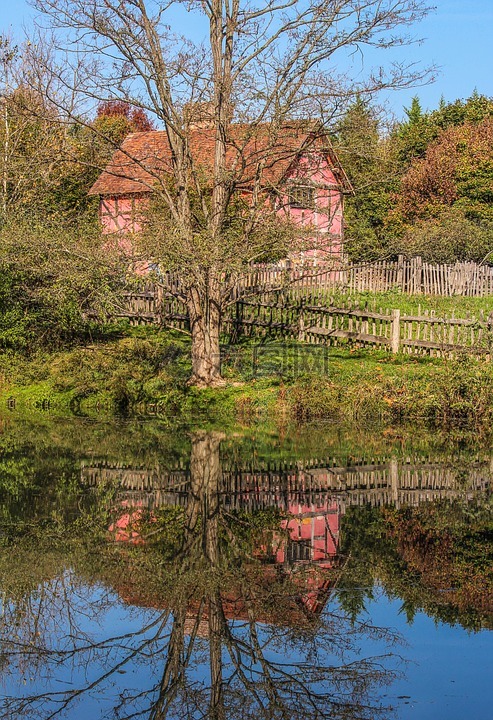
(423, 188)
(263, 66)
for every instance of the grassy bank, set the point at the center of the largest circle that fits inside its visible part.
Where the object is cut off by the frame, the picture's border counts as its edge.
(146, 372)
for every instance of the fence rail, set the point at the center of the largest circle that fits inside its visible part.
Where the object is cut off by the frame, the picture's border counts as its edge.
(388, 329)
(305, 318)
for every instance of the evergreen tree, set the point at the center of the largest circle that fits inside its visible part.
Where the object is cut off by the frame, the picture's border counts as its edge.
(413, 136)
(365, 156)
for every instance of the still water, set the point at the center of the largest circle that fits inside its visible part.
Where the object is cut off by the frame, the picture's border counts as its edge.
(318, 572)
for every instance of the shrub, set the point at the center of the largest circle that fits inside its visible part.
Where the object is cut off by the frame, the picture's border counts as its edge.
(56, 284)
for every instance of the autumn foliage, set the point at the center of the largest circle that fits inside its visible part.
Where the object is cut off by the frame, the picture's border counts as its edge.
(457, 169)
(424, 187)
(136, 117)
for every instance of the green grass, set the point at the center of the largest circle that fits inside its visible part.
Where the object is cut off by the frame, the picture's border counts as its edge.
(146, 371)
(460, 306)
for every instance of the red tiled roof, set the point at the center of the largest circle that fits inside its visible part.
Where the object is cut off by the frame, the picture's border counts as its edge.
(146, 156)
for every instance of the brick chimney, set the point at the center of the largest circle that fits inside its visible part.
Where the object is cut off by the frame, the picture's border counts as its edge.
(199, 115)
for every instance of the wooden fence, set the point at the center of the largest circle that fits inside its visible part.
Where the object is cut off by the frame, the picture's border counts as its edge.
(412, 276)
(307, 318)
(307, 321)
(417, 277)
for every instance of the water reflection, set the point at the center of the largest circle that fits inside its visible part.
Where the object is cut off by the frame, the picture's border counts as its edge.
(228, 584)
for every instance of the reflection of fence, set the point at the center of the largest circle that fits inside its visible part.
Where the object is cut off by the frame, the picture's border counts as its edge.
(390, 482)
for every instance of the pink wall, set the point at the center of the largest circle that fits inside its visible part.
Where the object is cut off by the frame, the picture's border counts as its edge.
(123, 214)
(325, 217)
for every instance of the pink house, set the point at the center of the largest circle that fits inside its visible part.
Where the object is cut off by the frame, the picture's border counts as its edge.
(300, 176)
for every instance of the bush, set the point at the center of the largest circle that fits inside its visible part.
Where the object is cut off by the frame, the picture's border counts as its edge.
(447, 238)
(123, 373)
(450, 395)
(56, 284)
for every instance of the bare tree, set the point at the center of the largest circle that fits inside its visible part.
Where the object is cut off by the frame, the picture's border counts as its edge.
(267, 66)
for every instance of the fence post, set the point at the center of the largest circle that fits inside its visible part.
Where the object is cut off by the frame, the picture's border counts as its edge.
(159, 303)
(400, 272)
(301, 322)
(395, 338)
(418, 275)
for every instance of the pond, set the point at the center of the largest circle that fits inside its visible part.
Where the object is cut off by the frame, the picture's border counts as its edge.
(301, 572)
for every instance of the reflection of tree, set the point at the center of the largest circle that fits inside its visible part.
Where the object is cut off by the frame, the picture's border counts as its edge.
(437, 557)
(233, 633)
(449, 547)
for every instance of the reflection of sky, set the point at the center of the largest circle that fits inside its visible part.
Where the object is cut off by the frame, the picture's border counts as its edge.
(450, 673)
(96, 619)
(448, 677)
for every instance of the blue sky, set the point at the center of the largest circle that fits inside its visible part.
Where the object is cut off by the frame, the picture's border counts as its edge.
(457, 38)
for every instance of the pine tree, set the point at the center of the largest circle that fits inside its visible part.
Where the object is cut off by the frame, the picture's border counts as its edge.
(365, 158)
(414, 136)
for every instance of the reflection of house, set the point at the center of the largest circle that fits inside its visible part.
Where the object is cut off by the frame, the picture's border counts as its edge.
(305, 548)
(299, 174)
(313, 534)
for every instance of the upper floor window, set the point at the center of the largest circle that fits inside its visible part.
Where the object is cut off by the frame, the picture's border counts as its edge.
(302, 196)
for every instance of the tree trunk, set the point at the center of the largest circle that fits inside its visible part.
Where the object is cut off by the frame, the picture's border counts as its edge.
(205, 324)
(206, 473)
